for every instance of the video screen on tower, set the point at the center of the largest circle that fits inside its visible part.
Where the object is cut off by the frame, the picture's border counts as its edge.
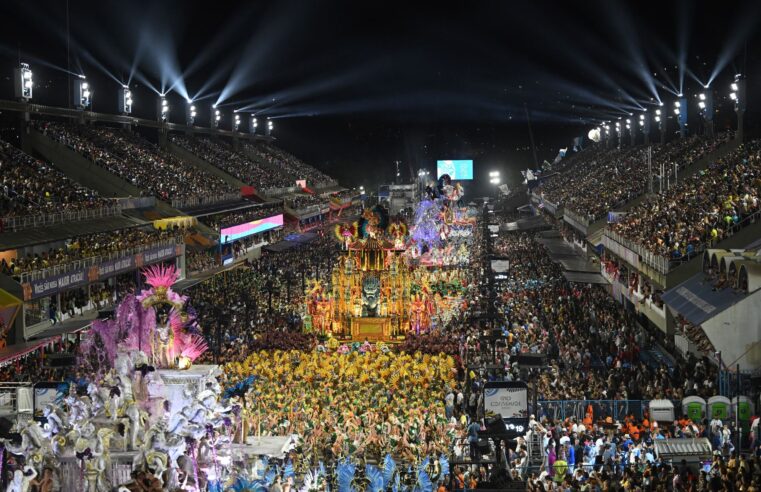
(457, 170)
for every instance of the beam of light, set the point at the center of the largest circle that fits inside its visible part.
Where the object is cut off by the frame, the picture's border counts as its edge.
(357, 74)
(619, 15)
(742, 28)
(217, 75)
(90, 59)
(33, 60)
(268, 39)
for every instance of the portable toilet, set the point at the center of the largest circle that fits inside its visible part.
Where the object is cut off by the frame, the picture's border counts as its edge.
(742, 406)
(694, 407)
(662, 410)
(719, 407)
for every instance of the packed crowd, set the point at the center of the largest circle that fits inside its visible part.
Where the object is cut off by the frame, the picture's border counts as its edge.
(136, 160)
(594, 346)
(30, 187)
(288, 163)
(299, 202)
(703, 208)
(87, 246)
(234, 163)
(262, 296)
(618, 176)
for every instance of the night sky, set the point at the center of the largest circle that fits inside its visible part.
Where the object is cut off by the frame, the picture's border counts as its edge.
(355, 85)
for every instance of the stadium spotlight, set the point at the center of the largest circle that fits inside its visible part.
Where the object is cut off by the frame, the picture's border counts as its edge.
(236, 122)
(738, 97)
(82, 95)
(125, 100)
(162, 110)
(493, 174)
(23, 81)
(190, 114)
(254, 124)
(270, 127)
(216, 116)
(680, 110)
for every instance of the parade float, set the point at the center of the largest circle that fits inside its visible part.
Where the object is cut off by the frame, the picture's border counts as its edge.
(141, 406)
(380, 288)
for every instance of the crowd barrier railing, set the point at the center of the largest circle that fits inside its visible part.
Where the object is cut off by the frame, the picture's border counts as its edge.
(665, 264)
(11, 224)
(91, 261)
(182, 203)
(616, 409)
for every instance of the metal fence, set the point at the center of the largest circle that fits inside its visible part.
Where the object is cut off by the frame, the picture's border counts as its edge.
(91, 261)
(10, 224)
(616, 409)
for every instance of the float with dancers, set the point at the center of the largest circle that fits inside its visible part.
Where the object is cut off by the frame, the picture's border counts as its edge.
(144, 408)
(378, 289)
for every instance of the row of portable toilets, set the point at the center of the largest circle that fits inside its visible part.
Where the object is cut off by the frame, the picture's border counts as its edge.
(697, 409)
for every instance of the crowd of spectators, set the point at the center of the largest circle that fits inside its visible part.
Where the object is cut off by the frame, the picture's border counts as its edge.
(288, 163)
(31, 187)
(703, 208)
(620, 175)
(593, 345)
(299, 202)
(137, 160)
(234, 163)
(261, 296)
(89, 245)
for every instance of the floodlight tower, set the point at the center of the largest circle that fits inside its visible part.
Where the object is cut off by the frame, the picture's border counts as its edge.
(660, 120)
(270, 127)
(190, 113)
(236, 122)
(644, 126)
(253, 125)
(618, 133)
(705, 109)
(632, 131)
(216, 116)
(162, 109)
(680, 111)
(23, 82)
(125, 100)
(81, 93)
(737, 95)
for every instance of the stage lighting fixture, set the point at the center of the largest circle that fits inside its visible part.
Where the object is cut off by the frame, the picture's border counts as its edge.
(701, 105)
(191, 114)
(23, 81)
(493, 174)
(162, 111)
(253, 125)
(734, 86)
(702, 96)
(236, 123)
(81, 93)
(733, 96)
(270, 126)
(125, 100)
(215, 116)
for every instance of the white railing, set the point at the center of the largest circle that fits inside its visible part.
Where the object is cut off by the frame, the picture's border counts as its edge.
(195, 201)
(9, 397)
(664, 264)
(91, 261)
(10, 224)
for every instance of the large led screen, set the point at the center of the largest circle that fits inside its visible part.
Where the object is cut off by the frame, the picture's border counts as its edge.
(457, 170)
(230, 234)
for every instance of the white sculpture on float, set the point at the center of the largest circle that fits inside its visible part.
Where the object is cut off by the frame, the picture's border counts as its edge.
(164, 416)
